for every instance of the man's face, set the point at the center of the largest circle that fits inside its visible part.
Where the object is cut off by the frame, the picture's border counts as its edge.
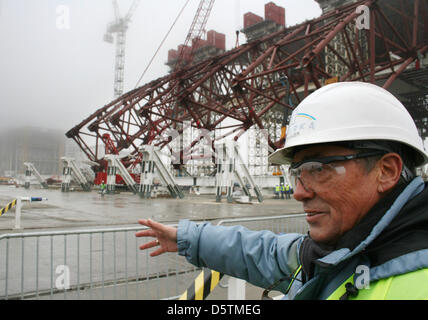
(334, 205)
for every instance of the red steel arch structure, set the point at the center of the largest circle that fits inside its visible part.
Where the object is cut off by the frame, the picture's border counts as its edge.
(244, 84)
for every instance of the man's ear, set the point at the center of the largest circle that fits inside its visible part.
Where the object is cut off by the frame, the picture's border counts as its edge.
(390, 167)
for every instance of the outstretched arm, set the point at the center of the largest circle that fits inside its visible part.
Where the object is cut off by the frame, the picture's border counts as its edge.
(260, 257)
(166, 237)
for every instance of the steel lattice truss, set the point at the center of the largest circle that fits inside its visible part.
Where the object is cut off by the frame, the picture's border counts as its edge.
(245, 85)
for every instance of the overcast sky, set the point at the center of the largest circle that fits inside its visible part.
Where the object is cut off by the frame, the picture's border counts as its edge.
(54, 77)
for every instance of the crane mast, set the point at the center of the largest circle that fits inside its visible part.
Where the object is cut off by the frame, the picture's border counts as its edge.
(119, 27)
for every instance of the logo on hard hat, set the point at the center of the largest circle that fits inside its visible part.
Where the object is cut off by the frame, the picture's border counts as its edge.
(305, 115)
(299, 123)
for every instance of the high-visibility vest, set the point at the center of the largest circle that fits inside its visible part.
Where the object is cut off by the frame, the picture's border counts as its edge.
(277, 189)
(409, 286)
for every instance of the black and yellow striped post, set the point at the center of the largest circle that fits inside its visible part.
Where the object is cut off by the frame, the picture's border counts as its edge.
(203, 285)
(8, 207)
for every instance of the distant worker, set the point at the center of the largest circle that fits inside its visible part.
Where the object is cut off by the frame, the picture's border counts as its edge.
(287, 191)
(103, 188)
(277, 190)
(282, 190)
(353, 150)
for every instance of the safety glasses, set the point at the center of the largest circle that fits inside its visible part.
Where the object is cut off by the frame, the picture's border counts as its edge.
(313, 172)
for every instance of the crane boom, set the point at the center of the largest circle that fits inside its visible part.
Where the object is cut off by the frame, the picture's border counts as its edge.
(116, 10)
(197, 29)
(132, 9)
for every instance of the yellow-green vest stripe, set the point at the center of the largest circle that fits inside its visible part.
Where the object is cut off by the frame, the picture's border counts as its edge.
(408, 286)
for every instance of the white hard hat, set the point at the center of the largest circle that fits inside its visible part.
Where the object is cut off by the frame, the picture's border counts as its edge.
(350, 111)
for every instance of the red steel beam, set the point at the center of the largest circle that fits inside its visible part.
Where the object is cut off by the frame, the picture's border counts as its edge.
(243, 84)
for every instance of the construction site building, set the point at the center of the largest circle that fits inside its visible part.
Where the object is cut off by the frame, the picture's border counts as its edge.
(42, 147)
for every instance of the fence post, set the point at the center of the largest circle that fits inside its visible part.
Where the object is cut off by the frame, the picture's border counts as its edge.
(18, 214)
(8, 207)
(236, 289)
(19, 207)
(202, 286)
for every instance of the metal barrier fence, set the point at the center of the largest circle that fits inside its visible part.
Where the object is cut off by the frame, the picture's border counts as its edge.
(103, 263)
(293, 223)
(88, 264)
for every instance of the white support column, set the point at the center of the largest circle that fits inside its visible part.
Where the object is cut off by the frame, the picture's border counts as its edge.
(236, 289)
(18, 209)
(166, 176)
(229, 176)
(146, 178)
(152, 160)
(111, 177)
(244, 169)
(66, 178)
(225, 171)
(18, 214)
(31, 169)
(218, 181)
(230, 166)
(72, 170)
(27, 178)
(147, 172)
(220, 175)
(126, 176)
(115, 166)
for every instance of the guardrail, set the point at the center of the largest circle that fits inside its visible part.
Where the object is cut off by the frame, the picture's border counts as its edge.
(87, 264)
(9, 206)
(102, 263)
(18, 203)
(291, 223)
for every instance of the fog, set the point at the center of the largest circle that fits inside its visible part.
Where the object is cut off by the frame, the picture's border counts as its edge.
(54, 75)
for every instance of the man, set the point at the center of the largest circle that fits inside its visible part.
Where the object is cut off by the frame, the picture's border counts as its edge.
(353, 150)
(287, 191)
(103, 188)
(277, 191)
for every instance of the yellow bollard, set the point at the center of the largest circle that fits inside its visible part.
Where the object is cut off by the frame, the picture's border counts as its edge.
(8, 207)
(203, 285)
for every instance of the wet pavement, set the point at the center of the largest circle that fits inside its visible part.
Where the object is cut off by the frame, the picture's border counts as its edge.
(90, 209)
(107, 264)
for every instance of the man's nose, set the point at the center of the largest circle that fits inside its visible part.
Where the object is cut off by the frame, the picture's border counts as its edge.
(302, 192)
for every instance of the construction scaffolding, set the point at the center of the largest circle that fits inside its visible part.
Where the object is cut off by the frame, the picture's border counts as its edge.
(244, 85)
